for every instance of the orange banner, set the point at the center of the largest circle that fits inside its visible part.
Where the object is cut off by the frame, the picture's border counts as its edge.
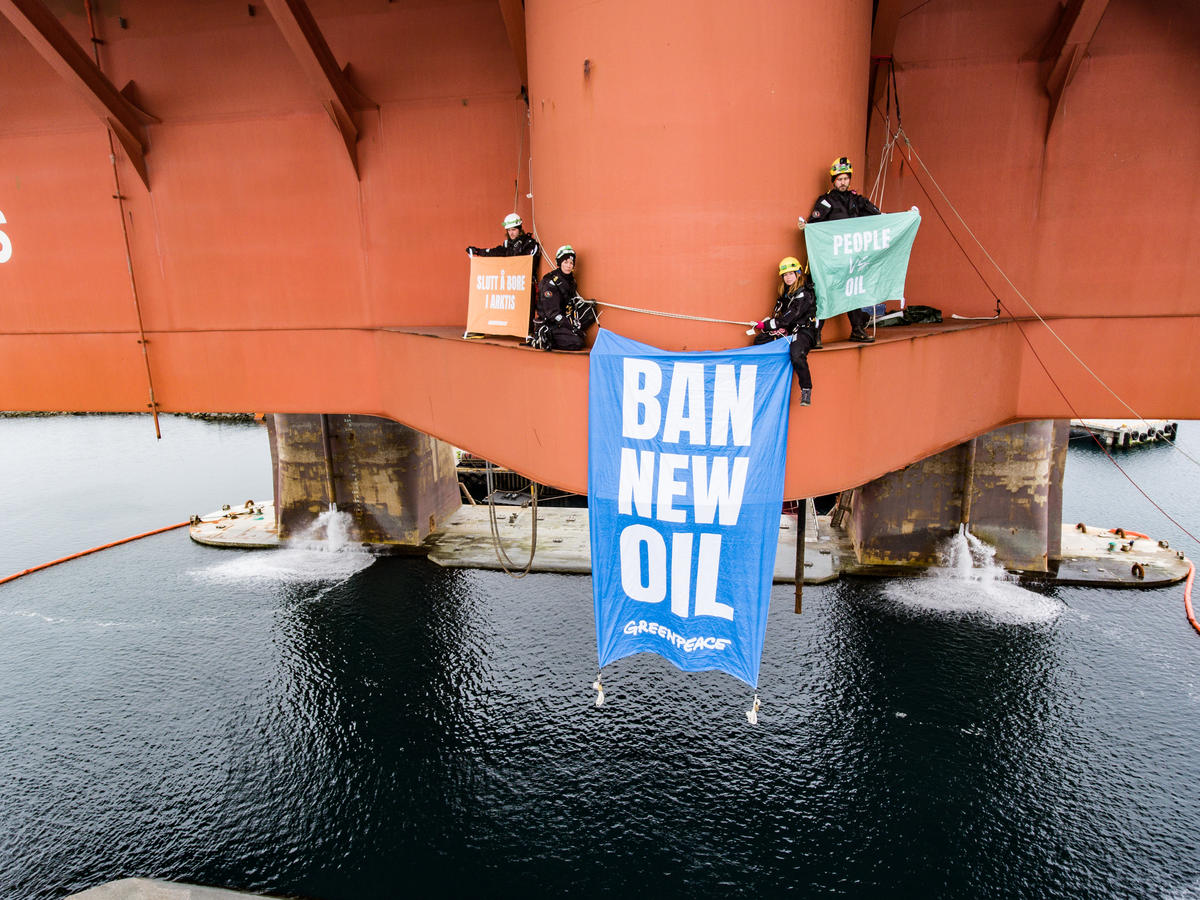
(500, 291)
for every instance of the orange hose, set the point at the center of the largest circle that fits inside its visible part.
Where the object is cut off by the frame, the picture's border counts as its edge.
(93, 550)
(1130, 534)
(1187, 595)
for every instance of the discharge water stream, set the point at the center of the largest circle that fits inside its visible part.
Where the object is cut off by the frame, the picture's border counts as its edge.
(323, 553)
(970, 582)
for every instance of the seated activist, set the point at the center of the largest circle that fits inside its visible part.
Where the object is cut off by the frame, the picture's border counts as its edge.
(843, 203)
(794, 314)
(561, 316)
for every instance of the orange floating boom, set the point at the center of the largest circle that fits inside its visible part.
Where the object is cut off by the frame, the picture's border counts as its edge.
(136, 537)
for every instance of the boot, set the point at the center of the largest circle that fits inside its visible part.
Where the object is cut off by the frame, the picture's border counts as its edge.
(806, 396)
(860, 336)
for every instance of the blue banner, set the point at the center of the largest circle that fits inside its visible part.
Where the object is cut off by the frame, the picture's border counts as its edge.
(686, 455)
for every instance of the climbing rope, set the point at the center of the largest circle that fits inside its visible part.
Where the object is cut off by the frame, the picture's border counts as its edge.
(912, 153)
(671, 315)
(64, 559)
(501, 554)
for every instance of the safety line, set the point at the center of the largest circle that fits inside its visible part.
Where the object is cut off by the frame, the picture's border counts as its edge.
(1017, 291)
(670, 315)
(1095, 437)
(55, 562)
(913, 152)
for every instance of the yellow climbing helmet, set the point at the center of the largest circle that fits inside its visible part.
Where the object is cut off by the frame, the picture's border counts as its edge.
(789, 264)
(841, 166)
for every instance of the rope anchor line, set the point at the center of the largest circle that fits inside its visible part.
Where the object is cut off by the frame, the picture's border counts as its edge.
(670, 315)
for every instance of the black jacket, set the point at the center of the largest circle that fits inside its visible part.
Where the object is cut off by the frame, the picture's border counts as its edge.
(842, 205)
(794, 310)
(556, 292)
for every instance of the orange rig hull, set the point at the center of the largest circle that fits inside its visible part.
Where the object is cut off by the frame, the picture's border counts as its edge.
(212, 207)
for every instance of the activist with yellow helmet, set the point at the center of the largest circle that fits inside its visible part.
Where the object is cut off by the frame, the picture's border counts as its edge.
(843, 203)
(794, 315)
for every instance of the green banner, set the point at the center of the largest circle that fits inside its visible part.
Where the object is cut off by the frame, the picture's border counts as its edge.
(860, 262)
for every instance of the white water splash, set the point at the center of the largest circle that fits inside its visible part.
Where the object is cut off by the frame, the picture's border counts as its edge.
(324, 552)
(30, 614)
(970, 583)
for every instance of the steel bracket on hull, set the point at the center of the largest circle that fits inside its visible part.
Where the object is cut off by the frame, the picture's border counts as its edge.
(513, 13)
(50, 38)
(1067, 47)
(338, 96)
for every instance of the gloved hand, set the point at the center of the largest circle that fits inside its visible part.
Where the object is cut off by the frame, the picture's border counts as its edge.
(917, 211)
(802, 223)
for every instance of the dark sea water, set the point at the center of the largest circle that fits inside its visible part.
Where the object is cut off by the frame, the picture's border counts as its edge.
(328, 726)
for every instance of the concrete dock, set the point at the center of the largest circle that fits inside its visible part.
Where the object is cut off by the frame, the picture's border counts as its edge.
(1118, 434)
(563, 543)
(250, 526)
(1095, 556)
(153, 889)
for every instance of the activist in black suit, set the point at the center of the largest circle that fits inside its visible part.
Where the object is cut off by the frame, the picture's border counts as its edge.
(562, 316)
(794, 313)
(517, 242)
(843, 203)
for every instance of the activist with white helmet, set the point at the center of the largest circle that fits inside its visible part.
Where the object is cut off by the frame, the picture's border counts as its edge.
(562, 316)
(517, 242)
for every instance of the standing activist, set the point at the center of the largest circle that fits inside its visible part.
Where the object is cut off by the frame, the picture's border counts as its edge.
(843, 203)
(561, 317)
(794, 314)
(517, 242)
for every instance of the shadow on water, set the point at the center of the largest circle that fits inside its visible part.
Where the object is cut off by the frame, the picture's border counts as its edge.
(943, 715)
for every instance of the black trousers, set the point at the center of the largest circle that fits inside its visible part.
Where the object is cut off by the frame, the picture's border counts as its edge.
(858, 318)
(806, 339)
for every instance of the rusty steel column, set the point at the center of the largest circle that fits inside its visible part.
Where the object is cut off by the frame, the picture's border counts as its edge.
(395, 483)
(1006, 485)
